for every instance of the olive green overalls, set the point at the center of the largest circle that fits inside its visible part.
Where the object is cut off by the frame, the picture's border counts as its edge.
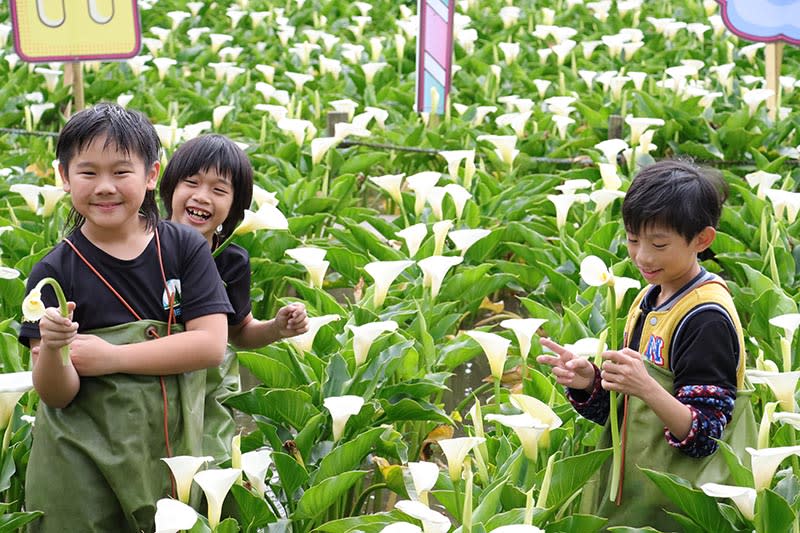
(639, 502)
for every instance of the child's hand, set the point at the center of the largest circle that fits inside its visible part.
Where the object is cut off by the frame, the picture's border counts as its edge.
(56, 330)
(569, 369)
(92, 356)
(291, 320)
(624, 371)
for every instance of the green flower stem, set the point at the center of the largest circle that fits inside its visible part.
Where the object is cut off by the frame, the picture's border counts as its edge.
(496, 382)
(225, 243)
(616, 463)
(548, 476)
(362, 499)
(62, 307)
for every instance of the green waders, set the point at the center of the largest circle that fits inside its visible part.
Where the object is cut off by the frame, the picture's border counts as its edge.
(642, 503)
(222, 382)
(95, 465)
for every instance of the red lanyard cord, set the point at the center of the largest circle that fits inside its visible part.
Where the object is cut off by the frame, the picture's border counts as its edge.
(152, 333)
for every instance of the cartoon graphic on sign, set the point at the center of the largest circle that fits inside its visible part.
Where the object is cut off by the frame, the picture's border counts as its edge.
(763, 20)
(434, 53)
(71, 30)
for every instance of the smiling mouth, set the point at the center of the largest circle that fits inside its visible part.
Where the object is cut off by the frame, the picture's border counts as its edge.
(198, 213)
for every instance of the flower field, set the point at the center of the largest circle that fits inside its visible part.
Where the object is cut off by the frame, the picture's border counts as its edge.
(422, 243)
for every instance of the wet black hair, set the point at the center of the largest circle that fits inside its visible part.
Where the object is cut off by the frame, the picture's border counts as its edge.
(125, 130)
(675, 195)
(220, 154)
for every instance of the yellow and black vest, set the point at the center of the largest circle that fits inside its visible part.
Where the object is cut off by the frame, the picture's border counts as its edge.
(639, 502)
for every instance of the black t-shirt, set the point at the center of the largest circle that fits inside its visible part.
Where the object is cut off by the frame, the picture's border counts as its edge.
(233, 264)
(707, 350)
(188, 266)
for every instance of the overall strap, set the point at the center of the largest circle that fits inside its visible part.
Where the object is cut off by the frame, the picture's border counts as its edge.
(136, 315)
(170, 294)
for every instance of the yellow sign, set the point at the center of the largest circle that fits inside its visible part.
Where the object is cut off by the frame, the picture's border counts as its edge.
(75, 30)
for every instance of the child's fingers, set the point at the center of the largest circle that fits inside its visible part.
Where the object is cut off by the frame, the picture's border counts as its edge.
(549, 360)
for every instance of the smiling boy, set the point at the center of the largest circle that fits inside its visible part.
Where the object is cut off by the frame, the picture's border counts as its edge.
(682, 365)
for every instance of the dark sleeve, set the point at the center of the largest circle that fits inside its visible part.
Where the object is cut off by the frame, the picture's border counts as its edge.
(704, 361)
(202, 291)
(594, 406)
(234, 268)
(30, 330)
(706, 352)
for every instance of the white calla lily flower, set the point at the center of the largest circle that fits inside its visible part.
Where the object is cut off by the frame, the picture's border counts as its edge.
(505, 147)
(524, 329)
(586, 347)
(365, 335)
(570, 186)
(496, 349)
(435, 198)
(298, 128)
(402, 527)
(183, 468)
(341, 409)
(390, 183)
(782, 384)
(371, 69)
(764, 462)
(424, 475)
(789, 322)
(215, 485)
(440, 230)
(602, 198)
(527, 428)
(432, 521)
(434, 269)
(255, 465)
(610, 177)
(422, 183)
(595, 273)
(784, 203)
(305, 342)
(743, 497)
(762, 181)
(454, 158)
(12, 386)
(638, 126)
(460, 195)
(755, 97)
(219, 114)
(622, 285)
(465, 238)
(456, 450)
(9, 273)
(29, 193)
(536, 409)
(320, 147)
(173, 516)
(267, 217)
(611, 149)
(413, 237)
(563, 202)
(384, 273)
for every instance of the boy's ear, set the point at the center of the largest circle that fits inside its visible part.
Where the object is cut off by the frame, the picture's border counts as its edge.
(705, 238)
(152, 175)
(64, 177)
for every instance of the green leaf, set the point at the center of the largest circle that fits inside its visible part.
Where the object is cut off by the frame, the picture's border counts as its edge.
(348, 456)
(268, 371)
(773, 513)
(362, 523)
(700, 508)
(284, 406)
(577, 523)
(321, 497)
(571, 474)
(291, 474)
(254, 512)
(362, 162)
(411, 409)
(741, 475)
(229, 525)
(489, 501)
(13, 521)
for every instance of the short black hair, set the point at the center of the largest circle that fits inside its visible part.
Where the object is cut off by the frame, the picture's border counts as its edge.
(211, 152)
(675, 195)
(126, 130)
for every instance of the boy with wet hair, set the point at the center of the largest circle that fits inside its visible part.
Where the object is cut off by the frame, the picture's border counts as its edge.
(682, 365)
